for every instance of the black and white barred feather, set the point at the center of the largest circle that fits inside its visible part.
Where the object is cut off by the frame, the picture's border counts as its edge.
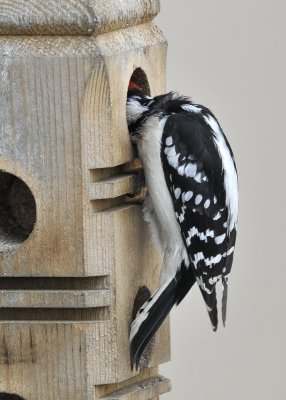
(192, 204)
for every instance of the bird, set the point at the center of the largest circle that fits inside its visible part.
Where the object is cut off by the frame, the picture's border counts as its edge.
(191, 205)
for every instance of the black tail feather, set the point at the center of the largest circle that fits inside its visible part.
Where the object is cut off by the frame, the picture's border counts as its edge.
(211, 302)
(148, 329)
(186, 283)
(224, 298)
(154, 312)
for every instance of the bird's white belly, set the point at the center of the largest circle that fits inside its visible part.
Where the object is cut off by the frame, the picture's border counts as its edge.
(162, 219)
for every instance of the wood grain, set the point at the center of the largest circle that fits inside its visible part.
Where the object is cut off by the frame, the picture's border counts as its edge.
(54, 298)
(72, 17)
(67, 292)
(114, 186)
(142, 390)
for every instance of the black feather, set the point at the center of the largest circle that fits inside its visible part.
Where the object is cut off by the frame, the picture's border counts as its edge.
(189, 134)
(193, 141)
(172, 294)
(224, 299)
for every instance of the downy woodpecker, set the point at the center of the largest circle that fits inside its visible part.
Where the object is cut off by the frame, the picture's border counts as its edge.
(191, 206)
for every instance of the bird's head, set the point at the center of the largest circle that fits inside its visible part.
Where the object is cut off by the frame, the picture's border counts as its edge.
(138, 103)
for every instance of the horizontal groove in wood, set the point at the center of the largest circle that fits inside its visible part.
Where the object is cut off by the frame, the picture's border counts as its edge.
(106, 204)
(146, 389)
(132, 167)
(112, 187)
(55, 314)
(54, 283)
(54, 298)
(117, 209)
(97, 174)
(109, 187)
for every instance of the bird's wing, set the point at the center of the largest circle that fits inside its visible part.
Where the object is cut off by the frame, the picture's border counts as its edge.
(194, 174)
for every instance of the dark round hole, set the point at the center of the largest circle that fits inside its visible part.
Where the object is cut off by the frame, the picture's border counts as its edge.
(17, 211)
(140, 78)
(9, 396)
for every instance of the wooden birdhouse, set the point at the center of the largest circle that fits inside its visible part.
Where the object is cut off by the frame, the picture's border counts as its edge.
(75, 253)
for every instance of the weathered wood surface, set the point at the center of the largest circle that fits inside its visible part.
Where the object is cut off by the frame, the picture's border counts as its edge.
(65, 312)
(112, 187)
(148, 378)
(142, 390)
(72, 17)
(50, 360)
(59, 131)
(54, 298)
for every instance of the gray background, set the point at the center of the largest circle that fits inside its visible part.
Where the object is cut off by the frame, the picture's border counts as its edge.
(230, 56)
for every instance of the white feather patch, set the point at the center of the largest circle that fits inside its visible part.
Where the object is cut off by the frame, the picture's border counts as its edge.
(207, 203)
(192, 108)
(188, 195)
(202, 285)
(174, 160)
(213, 280)
(177, 193)
(201, 235)
(217, 216)
(220, 239)
(170, 151)
(181, 170)
(169, 141)
(199, 177)
(141, 316)
(190, 170)
(230, 175)
(134, 110)
(198, 199)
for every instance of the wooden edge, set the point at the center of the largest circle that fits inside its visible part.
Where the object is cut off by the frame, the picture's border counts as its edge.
(142, 390)
(112, 187)
(73, 17)
(54, 298)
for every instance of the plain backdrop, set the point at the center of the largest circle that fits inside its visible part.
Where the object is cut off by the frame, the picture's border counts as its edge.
(231, 56)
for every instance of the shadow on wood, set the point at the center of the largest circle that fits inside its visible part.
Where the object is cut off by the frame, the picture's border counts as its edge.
(9, 396)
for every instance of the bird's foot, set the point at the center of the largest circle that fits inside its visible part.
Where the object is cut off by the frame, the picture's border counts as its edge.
(139, 183)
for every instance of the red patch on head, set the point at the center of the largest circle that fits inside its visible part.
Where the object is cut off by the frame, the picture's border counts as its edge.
(133, 85)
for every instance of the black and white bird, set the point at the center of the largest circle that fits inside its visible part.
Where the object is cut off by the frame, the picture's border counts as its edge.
(191, 206)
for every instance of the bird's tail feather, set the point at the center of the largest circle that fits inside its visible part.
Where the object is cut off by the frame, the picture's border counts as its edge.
(211, 303)
(224, 298)
(152, 314)
(149, 319)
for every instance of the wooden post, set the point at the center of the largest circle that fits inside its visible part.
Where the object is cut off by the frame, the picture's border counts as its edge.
(74, 249)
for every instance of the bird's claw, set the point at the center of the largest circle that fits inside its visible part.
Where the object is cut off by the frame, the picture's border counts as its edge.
(139, 183)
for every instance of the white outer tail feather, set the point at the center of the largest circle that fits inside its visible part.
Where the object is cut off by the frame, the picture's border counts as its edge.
(143, 315)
